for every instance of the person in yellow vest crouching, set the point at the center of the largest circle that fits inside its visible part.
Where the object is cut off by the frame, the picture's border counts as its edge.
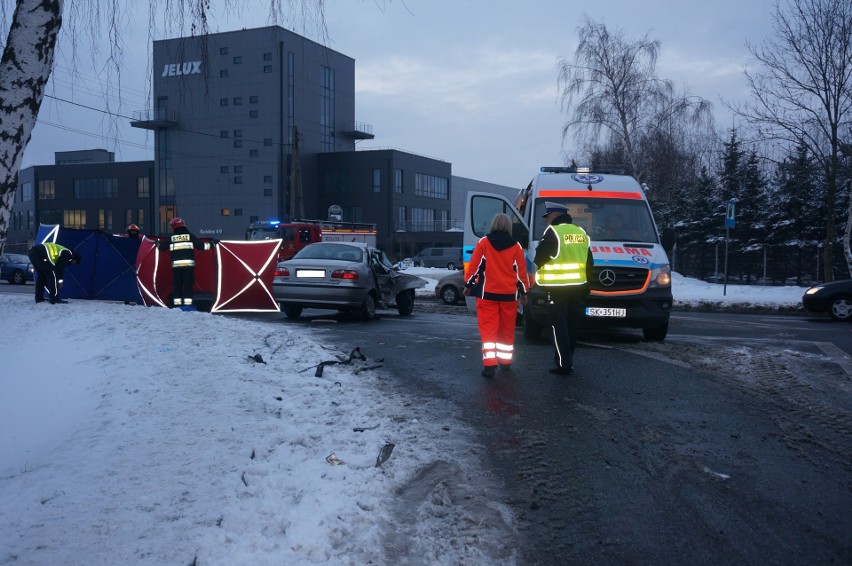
(49, 261)
(564, 260)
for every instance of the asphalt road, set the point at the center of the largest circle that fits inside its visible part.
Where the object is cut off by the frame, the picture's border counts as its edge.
(731, 442)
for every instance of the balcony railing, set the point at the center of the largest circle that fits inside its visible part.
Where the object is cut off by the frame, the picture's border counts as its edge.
(358, 130)
(156, 119)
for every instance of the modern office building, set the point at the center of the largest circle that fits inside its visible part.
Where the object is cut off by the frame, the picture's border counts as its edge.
(82, 189)
(259, 124)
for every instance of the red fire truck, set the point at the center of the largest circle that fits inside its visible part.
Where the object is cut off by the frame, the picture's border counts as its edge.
(299, 233)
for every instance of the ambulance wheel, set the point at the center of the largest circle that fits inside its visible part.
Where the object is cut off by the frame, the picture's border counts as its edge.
(656, 333)
(531, 329)
(292, 311)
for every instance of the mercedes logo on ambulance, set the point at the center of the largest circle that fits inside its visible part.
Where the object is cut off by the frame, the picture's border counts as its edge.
(607, 277)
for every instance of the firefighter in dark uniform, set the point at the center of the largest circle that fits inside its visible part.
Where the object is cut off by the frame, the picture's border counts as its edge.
(49, 261)
(182, 245)
(564, 258)
(133, 231)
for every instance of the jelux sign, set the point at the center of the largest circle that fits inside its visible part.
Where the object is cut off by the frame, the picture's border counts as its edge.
(178, 69)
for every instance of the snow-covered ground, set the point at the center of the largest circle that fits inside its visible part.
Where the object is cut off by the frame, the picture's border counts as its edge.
(138, 435)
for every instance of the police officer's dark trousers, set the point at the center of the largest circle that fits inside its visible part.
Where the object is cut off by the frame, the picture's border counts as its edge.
(564, 314)
(45, 275)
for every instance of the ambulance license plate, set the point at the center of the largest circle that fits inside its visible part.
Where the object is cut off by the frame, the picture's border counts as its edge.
(606, 312)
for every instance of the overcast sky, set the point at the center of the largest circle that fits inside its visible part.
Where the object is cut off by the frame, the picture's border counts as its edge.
(471, 82)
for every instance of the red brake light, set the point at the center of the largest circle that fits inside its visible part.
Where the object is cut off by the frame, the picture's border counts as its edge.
(344, 274)
(281, 272)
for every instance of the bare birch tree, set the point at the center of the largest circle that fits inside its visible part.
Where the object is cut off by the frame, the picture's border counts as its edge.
(803, 91)
(30, 47)
(611, 89)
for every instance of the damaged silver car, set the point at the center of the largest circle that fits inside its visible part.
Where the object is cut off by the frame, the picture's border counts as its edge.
(350, 277)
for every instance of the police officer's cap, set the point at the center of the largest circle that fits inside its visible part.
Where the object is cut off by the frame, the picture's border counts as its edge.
(554, 207)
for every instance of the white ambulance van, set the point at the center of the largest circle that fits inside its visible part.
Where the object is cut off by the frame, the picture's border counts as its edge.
(631, 278)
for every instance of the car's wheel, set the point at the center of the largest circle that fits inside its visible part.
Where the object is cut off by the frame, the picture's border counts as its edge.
(405, 303)
(368, 308)
(18, 277)
(841, 308)
(292, 311)
(451, 265)
(531, 329)
(449, 295)
(656, 333)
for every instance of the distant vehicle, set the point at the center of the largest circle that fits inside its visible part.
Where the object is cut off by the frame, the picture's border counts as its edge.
(297, 234)
(16, 268)
(834, 298)
(450, 288)
(451, 258)
(631, 277)
(349, 277)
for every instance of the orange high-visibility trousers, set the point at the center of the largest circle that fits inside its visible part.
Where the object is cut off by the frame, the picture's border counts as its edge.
(496, 321)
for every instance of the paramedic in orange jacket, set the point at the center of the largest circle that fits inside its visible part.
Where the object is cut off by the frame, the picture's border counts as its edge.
(497, 277)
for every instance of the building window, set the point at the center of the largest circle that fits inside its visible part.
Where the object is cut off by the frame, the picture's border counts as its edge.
(422, 220)
(223, 133)
(74, 218)
(47, 189)
(377, 180)
(223, 102)
(253, 153)
(238, 143)
(252, 99)
(223, 51)
(223, 169)
(143, 187)
(353, 213)
(267, 179)
(254, 218)
(26, 192)
(226, 212)
(238, 59)
(104, 219)
(267, 141)
(431, 186)
(253, 114)
(238, 180)
(400, 218)
(238, 133)
(397, 181)
(327, 109)
(95, 188)
(267, 68)
(223, 73)
(140, 218)
(267, 56)
(128, 216)
(238, 212)
(238, 101)
(267, 192)
(238, 168)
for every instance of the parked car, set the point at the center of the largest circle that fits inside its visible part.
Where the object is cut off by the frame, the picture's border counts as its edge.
(450, 288)
(451, 258)
(834, 298)
(16, 268)
(347, 276)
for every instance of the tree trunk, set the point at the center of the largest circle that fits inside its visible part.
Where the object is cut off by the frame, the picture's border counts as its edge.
(24, 70)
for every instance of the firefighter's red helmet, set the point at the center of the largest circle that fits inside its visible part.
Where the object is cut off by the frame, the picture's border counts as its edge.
(177, 222)
(133, 227)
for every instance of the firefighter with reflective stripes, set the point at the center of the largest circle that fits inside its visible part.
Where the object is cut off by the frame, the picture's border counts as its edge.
(564, 260)
(497, 277)
(182, 245)
(49, 261)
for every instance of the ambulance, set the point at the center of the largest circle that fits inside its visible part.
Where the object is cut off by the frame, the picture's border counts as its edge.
(631, 278)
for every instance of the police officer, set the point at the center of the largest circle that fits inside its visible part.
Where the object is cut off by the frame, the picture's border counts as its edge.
(182, 245)
(564, 259)
(49, 261)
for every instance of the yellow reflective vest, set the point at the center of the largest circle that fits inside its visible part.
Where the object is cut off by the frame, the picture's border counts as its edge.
(53, 251)
(568, 266)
